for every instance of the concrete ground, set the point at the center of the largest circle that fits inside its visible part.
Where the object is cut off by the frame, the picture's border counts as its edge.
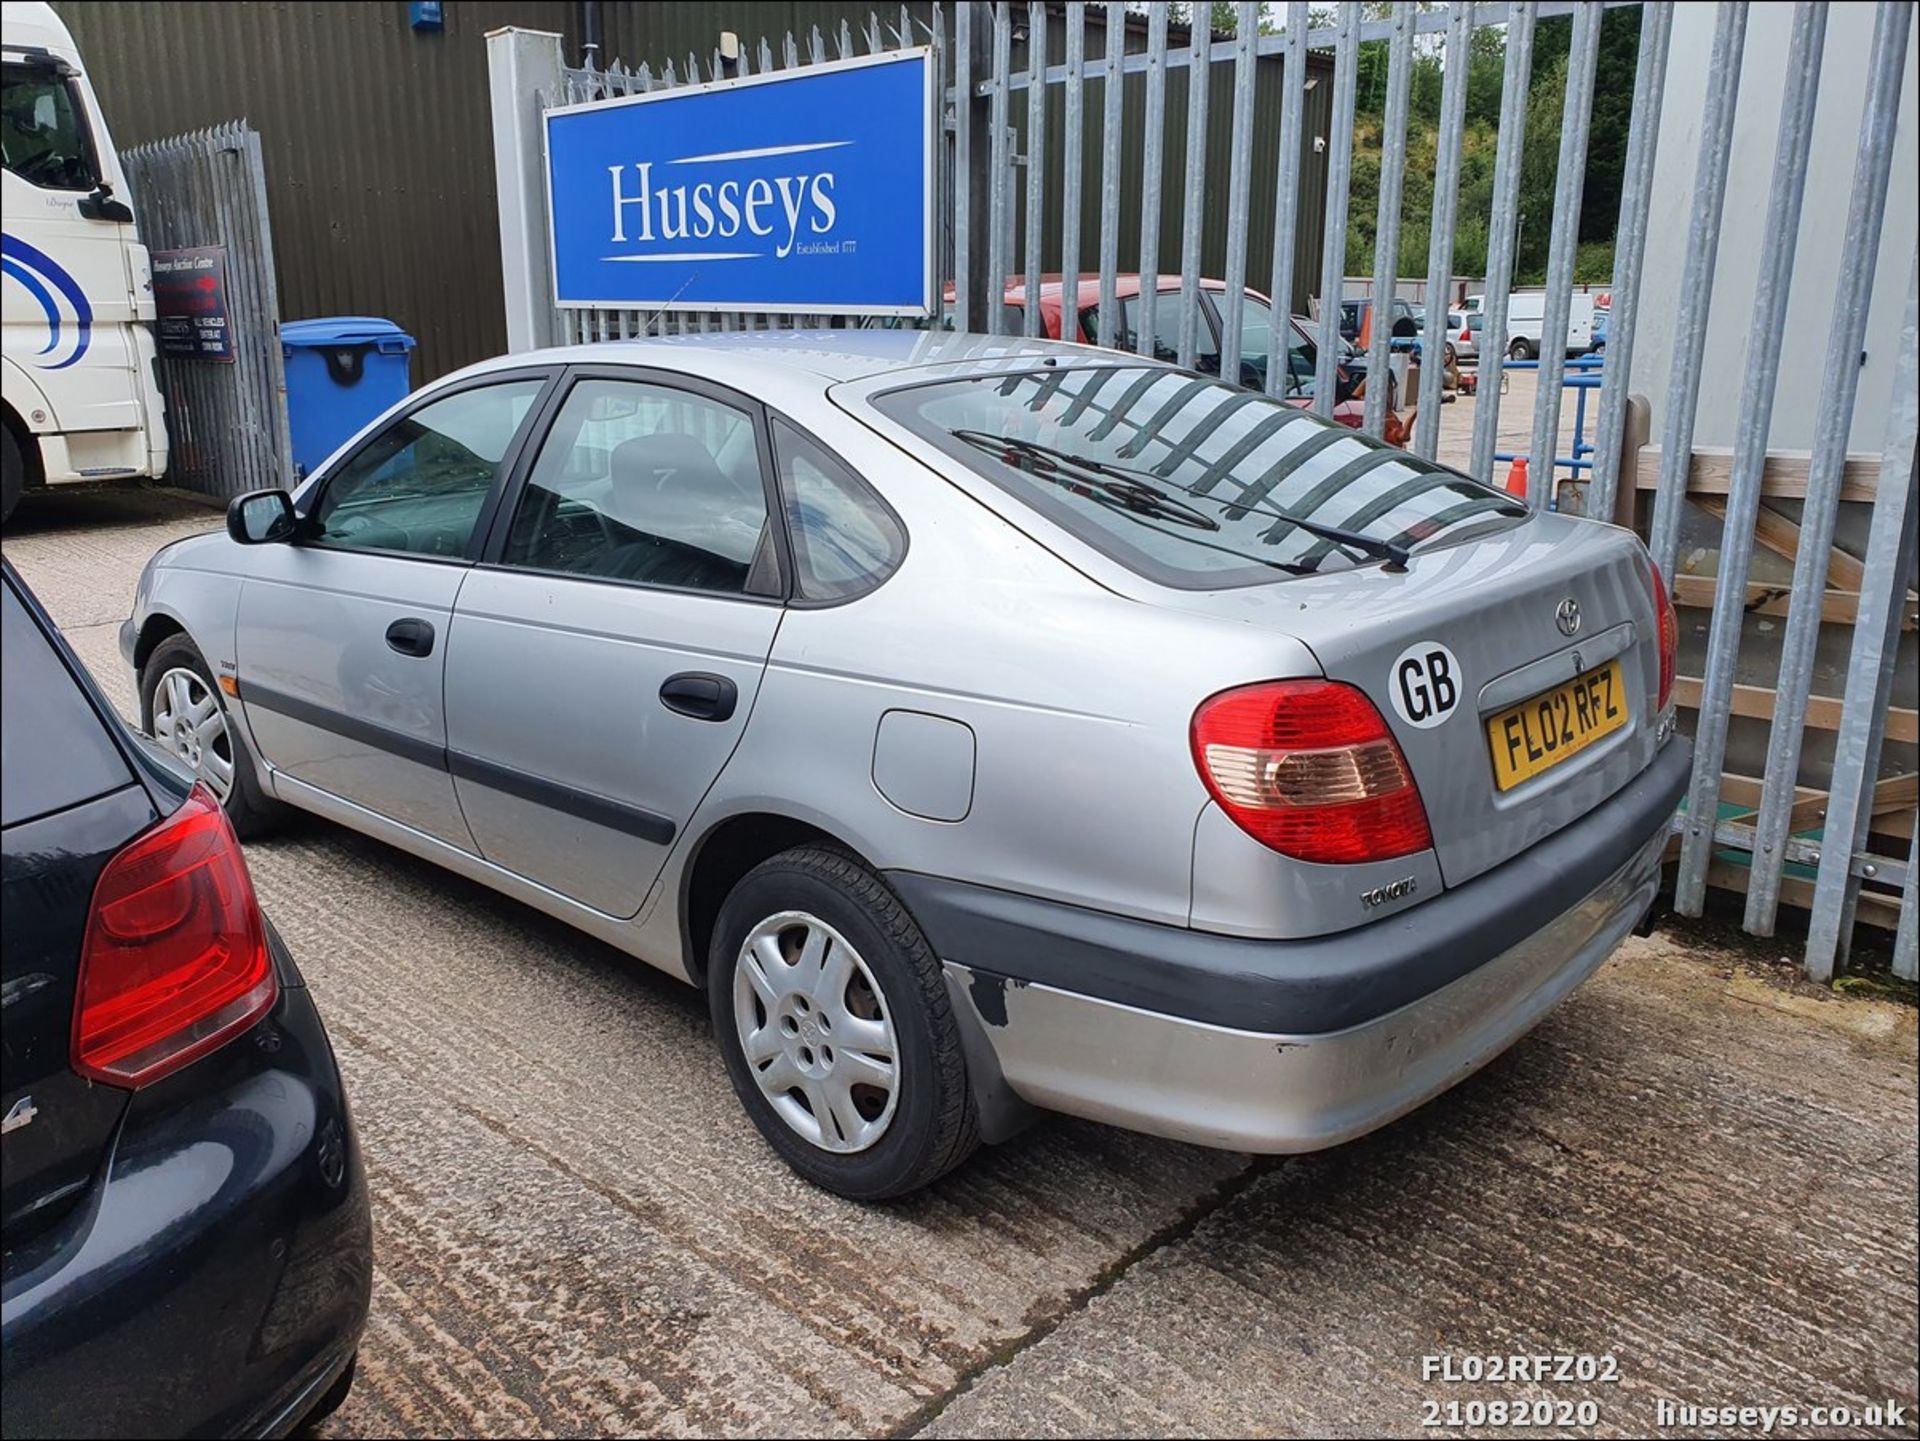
(1515, 432)
(1691, 1167)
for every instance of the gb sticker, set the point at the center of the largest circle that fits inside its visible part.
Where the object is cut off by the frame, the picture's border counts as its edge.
(1425, 684)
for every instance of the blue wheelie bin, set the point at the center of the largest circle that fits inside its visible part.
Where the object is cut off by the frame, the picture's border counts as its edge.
(342, 371)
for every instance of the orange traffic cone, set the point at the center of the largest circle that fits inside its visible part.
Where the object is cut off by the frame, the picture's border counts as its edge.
(1517, 477)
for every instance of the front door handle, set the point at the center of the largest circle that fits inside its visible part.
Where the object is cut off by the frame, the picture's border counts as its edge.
(411, 637)
(700, 695)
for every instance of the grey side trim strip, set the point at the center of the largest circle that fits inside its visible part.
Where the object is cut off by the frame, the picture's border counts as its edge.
(586, 805)
(366, 732)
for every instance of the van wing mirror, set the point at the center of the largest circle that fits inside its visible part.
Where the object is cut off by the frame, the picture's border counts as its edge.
(101, 205)
(261, 517)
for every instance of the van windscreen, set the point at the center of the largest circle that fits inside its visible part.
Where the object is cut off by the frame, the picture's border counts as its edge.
(43, 136)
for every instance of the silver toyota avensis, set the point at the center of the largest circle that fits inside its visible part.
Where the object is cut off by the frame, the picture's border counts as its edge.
(985, 724)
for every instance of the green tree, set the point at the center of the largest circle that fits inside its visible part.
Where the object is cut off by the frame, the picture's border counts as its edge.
(1540, 155)
(1223, 16)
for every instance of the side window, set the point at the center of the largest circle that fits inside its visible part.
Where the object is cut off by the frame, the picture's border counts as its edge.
(44, 138)
(648, 484)
(1256, 339)
(1303, 358)
(845, 539)
(419, 485)
(1166, 331)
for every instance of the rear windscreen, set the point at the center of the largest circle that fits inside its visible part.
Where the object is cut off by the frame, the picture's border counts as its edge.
(54, 749)
(1190, 482)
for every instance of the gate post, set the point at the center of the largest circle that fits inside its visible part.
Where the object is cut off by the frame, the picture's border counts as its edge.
(977, 288)
(523, 66)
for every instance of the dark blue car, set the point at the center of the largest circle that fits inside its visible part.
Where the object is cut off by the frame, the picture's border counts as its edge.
(187, 1249)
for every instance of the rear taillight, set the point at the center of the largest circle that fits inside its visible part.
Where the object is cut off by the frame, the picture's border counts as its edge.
(1669, 625)
(175, 959)
(1309, 768)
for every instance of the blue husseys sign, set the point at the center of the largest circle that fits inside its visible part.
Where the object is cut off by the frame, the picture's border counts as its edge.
(807, 190)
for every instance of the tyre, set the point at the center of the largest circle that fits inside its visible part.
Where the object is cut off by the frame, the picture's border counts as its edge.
(182, 708)
(833, 1017)
(13, 472)
(334, 1398)
(1520, 350)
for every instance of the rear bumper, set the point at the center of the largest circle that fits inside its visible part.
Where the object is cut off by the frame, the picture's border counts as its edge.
(216, 1279)
(1336, 1036)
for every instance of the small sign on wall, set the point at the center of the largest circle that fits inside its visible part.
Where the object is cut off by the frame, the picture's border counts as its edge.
(800, 190)
(190, 302)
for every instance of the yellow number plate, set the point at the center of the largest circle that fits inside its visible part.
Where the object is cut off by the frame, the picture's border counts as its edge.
(1540, 732)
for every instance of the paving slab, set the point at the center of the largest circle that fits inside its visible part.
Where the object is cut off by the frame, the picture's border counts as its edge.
(1710, 1182)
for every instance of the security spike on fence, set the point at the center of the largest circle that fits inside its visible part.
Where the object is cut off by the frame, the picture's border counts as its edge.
(693, 68)
(791, 53)
(817, 47)
(844, 41)
(643, 78)
(766, 54)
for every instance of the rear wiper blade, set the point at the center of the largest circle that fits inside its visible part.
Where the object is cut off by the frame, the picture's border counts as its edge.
(1392, 552)
(1129, 490)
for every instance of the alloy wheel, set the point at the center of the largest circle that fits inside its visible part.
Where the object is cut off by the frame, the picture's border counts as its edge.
(815, 1032)
(188, 720)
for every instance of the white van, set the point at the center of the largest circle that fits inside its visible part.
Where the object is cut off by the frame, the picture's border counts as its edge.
(1526, 318)
(82, 400)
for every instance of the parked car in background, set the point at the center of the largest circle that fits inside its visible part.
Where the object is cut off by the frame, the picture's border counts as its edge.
(82, 396)
(1353, 363)
(1461, 344)
(1357, 320)
(1256, 335)
(986, 724)
(187, 1243)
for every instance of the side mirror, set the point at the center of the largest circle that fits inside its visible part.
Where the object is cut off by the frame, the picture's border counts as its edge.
(261, 517)
(101, 205)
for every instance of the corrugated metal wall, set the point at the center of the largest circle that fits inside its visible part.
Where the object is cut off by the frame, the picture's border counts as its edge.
(377, 140)
(653, 33)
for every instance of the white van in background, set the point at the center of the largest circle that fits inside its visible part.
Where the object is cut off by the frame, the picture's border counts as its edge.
(1526, 318)
(82, 401)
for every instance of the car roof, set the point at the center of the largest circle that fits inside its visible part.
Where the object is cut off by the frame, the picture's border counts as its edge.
(739, 358)
(1125, 285)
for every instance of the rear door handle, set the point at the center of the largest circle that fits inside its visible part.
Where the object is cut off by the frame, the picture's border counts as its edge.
(410, 636)
(700, 695)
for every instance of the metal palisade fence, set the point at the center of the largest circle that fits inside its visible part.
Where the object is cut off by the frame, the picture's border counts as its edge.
(226, 421)
(1044, 164)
